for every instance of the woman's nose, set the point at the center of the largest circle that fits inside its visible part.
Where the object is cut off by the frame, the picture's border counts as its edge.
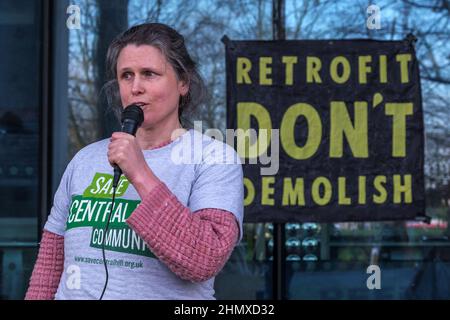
(137, 87)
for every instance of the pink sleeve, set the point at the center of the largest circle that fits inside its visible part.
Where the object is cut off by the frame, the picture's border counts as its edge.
(195, 246)
(48, 268)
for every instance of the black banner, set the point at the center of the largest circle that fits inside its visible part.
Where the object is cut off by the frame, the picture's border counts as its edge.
(330, 130)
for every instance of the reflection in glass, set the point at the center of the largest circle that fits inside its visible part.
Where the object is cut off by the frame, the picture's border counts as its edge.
(19, 140)
(293, 230)
(293, 257)
(293, 246)
(19, 120)
(311, 229)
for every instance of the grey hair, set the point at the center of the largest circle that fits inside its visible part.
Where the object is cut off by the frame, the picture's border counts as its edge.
(172, 46)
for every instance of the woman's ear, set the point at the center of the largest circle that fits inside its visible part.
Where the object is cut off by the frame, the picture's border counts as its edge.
(183, 87)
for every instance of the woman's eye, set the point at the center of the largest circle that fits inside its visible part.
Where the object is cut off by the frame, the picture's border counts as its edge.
(149, 73)
(126, 75)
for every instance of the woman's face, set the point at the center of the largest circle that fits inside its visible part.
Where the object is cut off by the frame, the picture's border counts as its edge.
(146, 78)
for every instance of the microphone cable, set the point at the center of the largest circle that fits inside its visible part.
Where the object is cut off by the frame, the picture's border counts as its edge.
(132, 117)
(105, 230)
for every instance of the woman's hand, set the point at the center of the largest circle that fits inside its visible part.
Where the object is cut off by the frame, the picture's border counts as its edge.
(125, 151)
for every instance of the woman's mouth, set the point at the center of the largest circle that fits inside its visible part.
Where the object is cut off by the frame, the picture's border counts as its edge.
(140, 104)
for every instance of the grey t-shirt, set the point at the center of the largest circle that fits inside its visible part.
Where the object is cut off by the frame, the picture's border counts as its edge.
(200, 171)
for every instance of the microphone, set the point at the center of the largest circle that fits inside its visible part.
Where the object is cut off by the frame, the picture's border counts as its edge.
(132, 118)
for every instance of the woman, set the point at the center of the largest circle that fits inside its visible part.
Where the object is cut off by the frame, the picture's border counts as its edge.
(174, 223)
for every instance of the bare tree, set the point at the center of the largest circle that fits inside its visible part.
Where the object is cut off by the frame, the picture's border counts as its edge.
(82, 94)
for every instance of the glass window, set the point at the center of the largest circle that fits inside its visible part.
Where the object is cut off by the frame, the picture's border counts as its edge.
(248, 273)
(20, 111)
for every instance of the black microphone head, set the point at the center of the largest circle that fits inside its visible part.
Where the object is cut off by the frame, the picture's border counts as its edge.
(133, 112)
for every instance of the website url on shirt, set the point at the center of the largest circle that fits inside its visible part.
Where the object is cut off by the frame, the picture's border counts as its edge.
(112, 262)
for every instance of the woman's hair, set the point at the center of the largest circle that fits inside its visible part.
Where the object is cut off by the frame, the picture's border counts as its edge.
(172, 46)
